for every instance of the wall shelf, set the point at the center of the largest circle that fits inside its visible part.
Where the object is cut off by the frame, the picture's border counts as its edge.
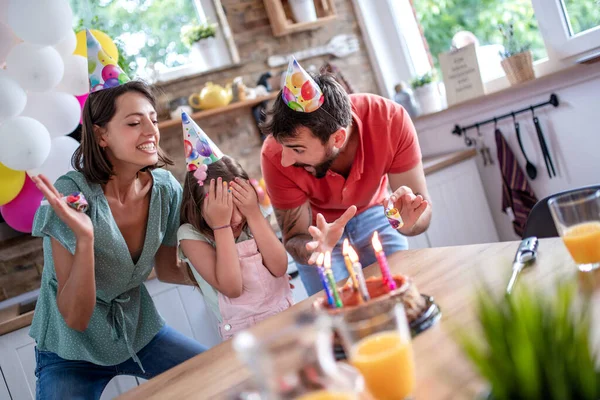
(282, 22)
(169, 123)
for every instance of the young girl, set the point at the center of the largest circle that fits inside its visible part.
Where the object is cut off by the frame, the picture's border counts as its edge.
(234, 255)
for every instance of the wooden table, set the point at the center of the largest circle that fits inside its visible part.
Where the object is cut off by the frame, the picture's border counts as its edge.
(450, 274)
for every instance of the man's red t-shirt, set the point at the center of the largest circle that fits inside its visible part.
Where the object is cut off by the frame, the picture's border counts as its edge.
(388, 144)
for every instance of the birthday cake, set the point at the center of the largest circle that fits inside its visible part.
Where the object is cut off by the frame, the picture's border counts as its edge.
(406, 292)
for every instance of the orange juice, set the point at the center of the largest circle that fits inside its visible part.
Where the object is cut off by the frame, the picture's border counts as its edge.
(328, 395)
(583, 242)
(386, 362)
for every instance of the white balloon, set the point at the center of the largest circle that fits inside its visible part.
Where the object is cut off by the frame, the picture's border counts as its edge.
(67, 45)
(44, 22)
(58, 162)
(75, 78)
(59, 112)
(12, 97)
(25, 143)
(35, 67)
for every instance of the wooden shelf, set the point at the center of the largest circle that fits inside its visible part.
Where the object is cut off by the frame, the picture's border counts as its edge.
(280, 16)
(216, 111)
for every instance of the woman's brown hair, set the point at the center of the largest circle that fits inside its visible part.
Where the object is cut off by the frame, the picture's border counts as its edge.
(100, 107)
(193, 194)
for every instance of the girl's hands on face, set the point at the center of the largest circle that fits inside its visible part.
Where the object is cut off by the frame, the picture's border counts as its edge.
(245, 198)
(218, 204)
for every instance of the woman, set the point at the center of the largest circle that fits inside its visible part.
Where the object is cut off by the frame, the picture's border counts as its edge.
(94, 318)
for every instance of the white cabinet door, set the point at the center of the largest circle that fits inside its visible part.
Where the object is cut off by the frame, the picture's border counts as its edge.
(117, 386)
(170, 306)
(461, 214)
(17, 362)
(4, 395)
(202, 321)
(418, 242)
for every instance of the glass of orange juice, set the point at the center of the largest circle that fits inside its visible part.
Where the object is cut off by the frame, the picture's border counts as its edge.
(377, 340)
(577, 219)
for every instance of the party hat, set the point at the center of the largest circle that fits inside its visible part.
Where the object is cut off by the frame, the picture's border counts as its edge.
(301, 93)
(200, 151)
(103, 70)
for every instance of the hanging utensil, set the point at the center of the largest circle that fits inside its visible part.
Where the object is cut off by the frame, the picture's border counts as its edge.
(483, 148)
(543, 145)
(526, 253)
(529, 167)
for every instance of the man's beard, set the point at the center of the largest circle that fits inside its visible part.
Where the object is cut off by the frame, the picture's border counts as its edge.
(320, 170)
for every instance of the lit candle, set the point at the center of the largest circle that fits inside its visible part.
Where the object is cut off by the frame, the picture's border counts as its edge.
(348, 263)
(358, 273)
(331, 280)
(323, 277)
(382, 260)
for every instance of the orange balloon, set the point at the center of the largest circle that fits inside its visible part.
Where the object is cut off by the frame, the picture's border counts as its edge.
(298, 79)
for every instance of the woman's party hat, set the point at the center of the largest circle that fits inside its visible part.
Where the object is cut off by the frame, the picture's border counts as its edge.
(301, 93)
(200, 151)
(103, 70)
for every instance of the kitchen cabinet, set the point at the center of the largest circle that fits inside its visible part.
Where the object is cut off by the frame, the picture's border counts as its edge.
(182, 307)
(461, 213)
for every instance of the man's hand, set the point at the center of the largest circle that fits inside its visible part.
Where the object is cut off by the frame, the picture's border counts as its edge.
(326, 235)
(409, 205)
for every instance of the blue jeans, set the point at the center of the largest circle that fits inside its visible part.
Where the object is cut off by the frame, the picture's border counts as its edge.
(62, 379)
(359, 232)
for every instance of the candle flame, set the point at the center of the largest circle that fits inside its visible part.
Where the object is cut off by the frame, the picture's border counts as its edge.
(327, 261)
(320, 259)
(376, 243)
(352, 254)
(345, 247)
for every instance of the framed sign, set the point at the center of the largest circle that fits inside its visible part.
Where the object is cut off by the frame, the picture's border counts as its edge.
(462, 77)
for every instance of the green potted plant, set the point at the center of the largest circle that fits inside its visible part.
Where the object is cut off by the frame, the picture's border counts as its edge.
(427, 94)
(201, 40)
(517, 60)
(535, 345)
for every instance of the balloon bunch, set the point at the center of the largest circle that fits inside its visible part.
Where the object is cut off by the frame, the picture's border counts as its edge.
(43, 87)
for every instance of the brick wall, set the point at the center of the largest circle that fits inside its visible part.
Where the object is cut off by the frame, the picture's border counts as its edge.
(236, 133)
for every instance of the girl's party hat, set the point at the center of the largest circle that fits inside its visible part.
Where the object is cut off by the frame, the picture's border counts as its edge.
(200, 151)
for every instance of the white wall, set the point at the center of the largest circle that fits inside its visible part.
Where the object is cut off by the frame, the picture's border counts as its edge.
(572, 132)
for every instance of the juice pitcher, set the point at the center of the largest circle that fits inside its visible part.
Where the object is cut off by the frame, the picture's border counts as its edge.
(297, 363)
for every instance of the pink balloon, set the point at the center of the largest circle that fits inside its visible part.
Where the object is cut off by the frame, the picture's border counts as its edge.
(19, 213)
(82, 100)
(110, 72)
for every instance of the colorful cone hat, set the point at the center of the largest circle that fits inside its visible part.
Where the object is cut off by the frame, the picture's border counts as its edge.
(301, 93)
(103, 70)
(200, 151)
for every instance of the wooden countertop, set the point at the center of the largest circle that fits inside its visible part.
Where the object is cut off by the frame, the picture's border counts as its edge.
(450, 274)
(435, 163)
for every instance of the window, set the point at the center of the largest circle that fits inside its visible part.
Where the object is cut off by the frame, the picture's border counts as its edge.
(441, 20)
(148, 32)
(570, 27)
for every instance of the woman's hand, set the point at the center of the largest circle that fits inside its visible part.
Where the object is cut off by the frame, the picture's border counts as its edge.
(79, 222)
(217, 206)
(245, 198)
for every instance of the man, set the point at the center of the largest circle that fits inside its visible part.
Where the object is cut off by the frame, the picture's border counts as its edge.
(327, 163)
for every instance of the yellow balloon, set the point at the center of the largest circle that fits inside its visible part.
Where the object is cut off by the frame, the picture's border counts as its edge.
(11, 183)
(105, 41)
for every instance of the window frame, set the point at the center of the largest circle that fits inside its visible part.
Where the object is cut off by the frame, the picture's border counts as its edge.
(552, 21)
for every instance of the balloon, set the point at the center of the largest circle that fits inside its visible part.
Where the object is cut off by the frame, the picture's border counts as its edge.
(75, 79)
(81, 99)
(308, 91)
(25, 143)
(35, 67)
(58, 162)
(7, 41)
(43, 22)
(298, 79)
(105, 41)
(112, 82)
(19, 213)
(66, 46)
(59, 112)
(12, 97)
(11, 183)
(110, 72)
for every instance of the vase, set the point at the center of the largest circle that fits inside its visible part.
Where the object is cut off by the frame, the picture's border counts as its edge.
(519, 67)
(205, 54)
(429, 98)
(303, 10)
